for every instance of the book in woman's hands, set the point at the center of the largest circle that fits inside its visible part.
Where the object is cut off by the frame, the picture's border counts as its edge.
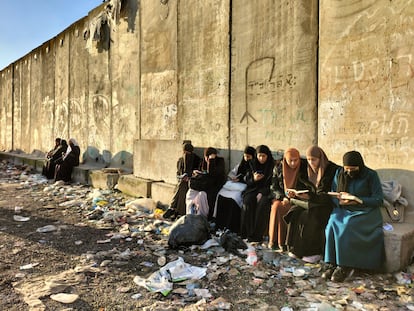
(296, 192)
(346, 197)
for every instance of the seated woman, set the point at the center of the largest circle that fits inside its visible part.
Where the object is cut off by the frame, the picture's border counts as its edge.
(229, 199)
(307, 219)
(52, 157)
(285, 176)
(205, 184)
(69, 160)
(256, 203)
(186, 164)
(354, 234)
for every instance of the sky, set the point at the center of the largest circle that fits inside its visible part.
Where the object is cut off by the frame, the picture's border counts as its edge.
(27, 24)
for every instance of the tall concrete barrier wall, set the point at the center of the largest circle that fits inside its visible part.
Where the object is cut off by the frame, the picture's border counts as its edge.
(148, 74)
(366, 84)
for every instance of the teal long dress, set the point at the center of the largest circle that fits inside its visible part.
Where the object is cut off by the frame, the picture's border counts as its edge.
(354, 235)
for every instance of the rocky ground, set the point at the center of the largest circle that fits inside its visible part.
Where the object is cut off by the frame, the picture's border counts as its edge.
(72, 247)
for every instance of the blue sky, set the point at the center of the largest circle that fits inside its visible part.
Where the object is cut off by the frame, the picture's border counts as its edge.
(27, 24)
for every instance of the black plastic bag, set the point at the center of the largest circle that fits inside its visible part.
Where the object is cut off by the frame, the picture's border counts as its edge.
(189, 230)
(231, 242)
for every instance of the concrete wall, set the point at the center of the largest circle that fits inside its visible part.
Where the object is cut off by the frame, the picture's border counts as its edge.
(225, 74)
(274, 78)
(366, 84)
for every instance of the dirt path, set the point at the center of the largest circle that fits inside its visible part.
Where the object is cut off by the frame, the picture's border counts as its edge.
(53, 241)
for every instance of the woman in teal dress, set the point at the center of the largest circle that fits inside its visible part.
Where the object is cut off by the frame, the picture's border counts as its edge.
(354, 234)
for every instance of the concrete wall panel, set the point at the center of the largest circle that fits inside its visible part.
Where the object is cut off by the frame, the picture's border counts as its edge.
(78, 88)
(17, 104)
(366, 81)
(99, 84)
(59, 119)
(125, 74)
(36, 120)
(25, 91)
(157, 159)
(159, 69)
(6, 117)
(273, 73)
(203, 53)
(47, 90)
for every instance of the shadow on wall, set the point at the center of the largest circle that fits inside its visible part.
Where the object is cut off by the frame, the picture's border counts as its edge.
(123, 159)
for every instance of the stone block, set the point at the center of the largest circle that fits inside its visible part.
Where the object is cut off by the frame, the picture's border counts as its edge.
(134, 186)
(399, 246)
(103, 180)
(162, 192)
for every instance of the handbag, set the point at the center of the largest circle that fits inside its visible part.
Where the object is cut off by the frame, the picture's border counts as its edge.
(395, 211)
(200, 182)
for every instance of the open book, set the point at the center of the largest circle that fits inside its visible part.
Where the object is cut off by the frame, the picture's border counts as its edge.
(346, 197)
(296, 192)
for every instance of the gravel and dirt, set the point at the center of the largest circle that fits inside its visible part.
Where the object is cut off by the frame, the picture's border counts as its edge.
(88, 246)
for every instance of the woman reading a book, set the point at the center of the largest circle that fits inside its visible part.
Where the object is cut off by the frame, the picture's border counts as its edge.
(308, 217)
(285, 178)
(354, 235)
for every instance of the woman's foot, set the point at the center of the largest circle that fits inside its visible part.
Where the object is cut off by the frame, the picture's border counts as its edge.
(292, 255)
(329, 270)
(169, 213)
(312, 259)
(341, 274)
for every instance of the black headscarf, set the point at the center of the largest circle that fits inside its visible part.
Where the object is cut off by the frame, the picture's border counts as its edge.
(351, 158)
(267, 167)
(244, 165)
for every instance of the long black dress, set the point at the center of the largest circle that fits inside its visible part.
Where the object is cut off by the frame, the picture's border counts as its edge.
(185, 165)
(53, 156)
(228, 211)
(255, 213)
(306, 227)
(217, 175)
(64, 170)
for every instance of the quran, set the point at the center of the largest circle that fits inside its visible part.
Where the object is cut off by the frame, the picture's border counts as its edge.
(346, 197)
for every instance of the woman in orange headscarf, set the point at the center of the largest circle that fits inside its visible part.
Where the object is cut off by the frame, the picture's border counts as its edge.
(285, 176)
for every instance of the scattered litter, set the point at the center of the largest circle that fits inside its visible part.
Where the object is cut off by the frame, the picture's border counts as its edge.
(47, 228)
(175, 271)
(29, 266)
(21, 218)
(64, 298)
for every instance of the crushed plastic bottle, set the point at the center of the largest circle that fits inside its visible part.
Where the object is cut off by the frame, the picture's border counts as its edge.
(251, 256)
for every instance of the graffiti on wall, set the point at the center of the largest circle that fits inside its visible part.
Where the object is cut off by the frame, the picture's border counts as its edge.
(266, 100)
(159, 103)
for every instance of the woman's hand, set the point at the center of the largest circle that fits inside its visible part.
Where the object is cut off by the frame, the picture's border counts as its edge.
(257, 176)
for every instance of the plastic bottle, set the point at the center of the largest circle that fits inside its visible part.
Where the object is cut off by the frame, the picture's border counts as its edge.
(251, 256)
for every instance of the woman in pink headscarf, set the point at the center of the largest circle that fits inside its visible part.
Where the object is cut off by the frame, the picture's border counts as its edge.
(307, 218)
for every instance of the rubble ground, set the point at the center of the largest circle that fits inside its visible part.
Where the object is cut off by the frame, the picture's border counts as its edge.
(73, 247)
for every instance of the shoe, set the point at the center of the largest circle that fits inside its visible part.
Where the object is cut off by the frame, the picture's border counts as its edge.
(168, 213)
(341, 273)
(312, 259)
(292, 255)
(327, 274)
